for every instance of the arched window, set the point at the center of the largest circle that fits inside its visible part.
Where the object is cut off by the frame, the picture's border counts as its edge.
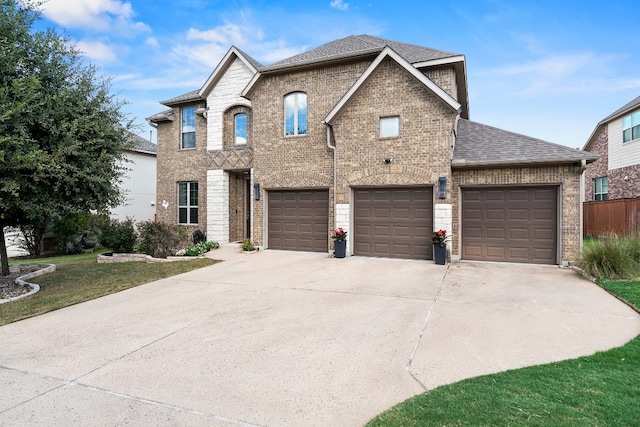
(295, 114)
(240, 126)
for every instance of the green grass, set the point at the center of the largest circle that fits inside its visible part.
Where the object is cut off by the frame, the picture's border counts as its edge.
(80, 278)
(598, 390)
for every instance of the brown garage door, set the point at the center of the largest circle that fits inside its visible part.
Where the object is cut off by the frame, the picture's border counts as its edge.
(393, 222)
(510, 224)
(299, 220)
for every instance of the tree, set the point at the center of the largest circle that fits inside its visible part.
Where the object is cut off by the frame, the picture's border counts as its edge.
(62, 132)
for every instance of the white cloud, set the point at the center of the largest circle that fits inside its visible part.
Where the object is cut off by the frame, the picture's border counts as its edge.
(97, 15)
(563, 73)
(339, 4)
(97, 50)
(152, 41)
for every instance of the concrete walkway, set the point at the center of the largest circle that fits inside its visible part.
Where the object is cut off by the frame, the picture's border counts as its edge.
(295, 339)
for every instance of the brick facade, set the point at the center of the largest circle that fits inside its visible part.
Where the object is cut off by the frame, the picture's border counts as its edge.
(624, 182)
(177, 165)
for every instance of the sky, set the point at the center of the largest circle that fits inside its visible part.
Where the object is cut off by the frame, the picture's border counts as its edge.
(550, 69)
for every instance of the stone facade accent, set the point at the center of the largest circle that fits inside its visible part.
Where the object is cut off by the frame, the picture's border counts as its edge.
(218, 205)
(176, 165)
(343, 219)
(225, 94)
(567, 178)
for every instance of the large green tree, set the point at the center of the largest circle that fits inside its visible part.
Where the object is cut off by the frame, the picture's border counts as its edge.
(62, 131)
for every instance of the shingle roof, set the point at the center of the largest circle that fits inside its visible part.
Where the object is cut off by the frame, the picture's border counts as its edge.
(142, 145)
(626, 107)
(482, 145)
(161, 116)
(180, 99)
(353, 46)
(252, 61)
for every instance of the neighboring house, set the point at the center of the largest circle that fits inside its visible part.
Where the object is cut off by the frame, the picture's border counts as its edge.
(370, 135)
(139, 182)
(616, 139)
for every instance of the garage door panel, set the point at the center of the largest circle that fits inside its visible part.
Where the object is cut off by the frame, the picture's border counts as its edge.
(528, 232)
(298, 220)
(394, 222)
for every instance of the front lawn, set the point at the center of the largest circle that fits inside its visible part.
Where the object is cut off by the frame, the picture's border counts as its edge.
(598, 390)
(80, 278)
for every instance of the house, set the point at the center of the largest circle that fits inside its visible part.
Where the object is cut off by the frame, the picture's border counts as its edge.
(138, 182)
(616, 139)
(370, 135)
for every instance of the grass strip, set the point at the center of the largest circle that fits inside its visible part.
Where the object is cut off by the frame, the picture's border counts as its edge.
(598, 390)
(80, 278)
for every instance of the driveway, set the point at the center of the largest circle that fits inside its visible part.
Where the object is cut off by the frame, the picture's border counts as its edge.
(295, 339)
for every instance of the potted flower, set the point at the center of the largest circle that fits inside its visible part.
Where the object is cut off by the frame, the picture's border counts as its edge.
(339, 242)
(439, 239)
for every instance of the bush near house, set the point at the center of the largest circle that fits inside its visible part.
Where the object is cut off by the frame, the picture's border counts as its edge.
(119, 236)
(612, 258)
(161, 240)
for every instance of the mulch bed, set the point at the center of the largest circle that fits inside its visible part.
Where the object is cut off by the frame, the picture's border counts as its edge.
(8, 287)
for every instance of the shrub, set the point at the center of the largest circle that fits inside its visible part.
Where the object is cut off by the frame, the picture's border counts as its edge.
(612, 258)
(67, 229)
(200, 248)
(247, 246)
(119, 236)
(161, 240)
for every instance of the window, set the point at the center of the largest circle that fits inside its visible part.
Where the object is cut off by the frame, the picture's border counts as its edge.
(389, 127)
(188, 127)
(601, 188)
(631, 127)
(240, 125)
(295, 114)
(187, 202)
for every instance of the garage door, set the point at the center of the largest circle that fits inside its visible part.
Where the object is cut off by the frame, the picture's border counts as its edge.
(298, 220)
(393, 222)
(510, 224)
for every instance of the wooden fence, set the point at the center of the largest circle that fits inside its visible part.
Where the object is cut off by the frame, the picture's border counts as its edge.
(603, 218)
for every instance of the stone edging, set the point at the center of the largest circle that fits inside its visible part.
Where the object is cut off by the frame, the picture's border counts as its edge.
(22, 281)
(104, 259)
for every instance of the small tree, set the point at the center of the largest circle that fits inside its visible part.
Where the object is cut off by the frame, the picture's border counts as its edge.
(62, 133)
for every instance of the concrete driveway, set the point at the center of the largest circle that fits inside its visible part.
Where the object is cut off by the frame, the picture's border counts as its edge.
(295, 339)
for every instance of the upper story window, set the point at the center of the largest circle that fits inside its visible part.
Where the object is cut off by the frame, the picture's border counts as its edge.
(188, 127)
(187, 202)
(240, 126)
(631, 127)
(601, 188)
(389, 127)
(295, 114)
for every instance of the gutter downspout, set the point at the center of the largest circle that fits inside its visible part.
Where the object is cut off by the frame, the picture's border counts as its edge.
(583, 167)
(335, 170)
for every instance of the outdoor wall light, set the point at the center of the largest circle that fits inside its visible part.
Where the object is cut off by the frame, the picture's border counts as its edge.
(256, 191)
(388, 160)
(442, 187)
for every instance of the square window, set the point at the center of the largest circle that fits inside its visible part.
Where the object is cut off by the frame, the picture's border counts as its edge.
(389, 127)
(631, 127)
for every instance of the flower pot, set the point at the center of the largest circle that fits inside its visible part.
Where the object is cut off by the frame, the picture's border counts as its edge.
(440, 254)
(340, 248)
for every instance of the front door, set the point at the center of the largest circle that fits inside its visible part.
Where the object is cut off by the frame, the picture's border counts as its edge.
(247, 209)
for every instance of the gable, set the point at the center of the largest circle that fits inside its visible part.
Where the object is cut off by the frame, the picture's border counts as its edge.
(366, 76)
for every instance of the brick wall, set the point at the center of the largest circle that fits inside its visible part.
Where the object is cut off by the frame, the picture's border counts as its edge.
(566, 177)
(175, 165)
(422, 151)
(624, 182)
(296, 161)
(598, 168)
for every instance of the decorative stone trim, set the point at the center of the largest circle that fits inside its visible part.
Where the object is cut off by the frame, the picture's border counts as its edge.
(106, 259)
(22, 281)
